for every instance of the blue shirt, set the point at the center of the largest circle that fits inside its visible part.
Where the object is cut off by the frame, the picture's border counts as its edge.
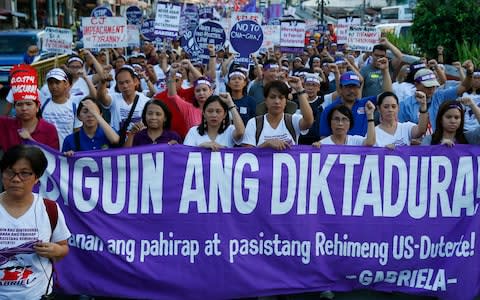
(360, 122)
(98, 142)
(246, 108)
(409, 108)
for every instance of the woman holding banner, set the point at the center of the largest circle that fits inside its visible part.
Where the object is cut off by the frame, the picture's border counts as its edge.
(449, 125)
(276, 129)
(215, 130)
(341, 120)
(392, 133)
(38, 224)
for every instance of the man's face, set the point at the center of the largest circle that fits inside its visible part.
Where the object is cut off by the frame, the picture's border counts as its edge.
(377, 54)
(349, 93)
(427, 90)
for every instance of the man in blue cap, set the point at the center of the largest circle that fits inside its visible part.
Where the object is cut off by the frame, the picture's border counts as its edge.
(349, 92)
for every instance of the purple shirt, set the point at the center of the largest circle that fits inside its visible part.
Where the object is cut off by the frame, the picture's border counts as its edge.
(142, 138)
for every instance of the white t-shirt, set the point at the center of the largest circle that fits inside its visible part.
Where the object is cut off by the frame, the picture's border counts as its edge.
(352, 140)
(401, 137)
(193, 138)
(281, 132)
(403, 90)
(470, 122)
(119, 110)
(63, 116)
(25, 275)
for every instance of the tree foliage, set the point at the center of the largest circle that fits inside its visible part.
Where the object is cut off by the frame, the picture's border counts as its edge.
(446, 22)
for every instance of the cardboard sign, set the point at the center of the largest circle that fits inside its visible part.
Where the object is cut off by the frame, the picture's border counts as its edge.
(104, 32)
(292, 34)
(133, 35)
(342, 28)
(362, 38)
(167, 20)
(189, 18)
(271, 36)
(57, 40)
(209, 33)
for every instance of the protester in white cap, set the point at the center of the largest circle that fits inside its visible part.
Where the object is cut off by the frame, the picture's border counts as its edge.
(426, 82)
(317, 103)
(61, 109)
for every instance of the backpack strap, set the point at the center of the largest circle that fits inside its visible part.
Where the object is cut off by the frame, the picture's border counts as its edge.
(259, 124)
(289, 125)
(45, 104)
(52, 211)
(76, 139)
(259, 121)
(74, 108)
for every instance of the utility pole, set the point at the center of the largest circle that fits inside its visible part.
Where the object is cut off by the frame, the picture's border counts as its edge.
(321, 12)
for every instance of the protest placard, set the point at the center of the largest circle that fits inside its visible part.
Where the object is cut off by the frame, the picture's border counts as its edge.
(363, 38)
(167, 19)
(134, 15)
(292, 36)
(189, 18)
(246, 37)
(104, 32)
(101, 11)
(133, 35)
(271, 36)
(342, 28)
(209, 33)
(148, 29)
(57, 40)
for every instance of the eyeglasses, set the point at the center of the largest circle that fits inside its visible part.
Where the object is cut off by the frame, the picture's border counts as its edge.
(10, 174)
(342, 120)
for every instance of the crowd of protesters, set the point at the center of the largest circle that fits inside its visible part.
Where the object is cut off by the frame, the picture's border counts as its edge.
(102, 100)
(323, 96)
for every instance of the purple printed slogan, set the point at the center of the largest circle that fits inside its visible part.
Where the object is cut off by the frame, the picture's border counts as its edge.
(174, 221)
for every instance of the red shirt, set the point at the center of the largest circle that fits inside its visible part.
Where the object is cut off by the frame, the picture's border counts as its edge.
(45, 133)
(184, 114)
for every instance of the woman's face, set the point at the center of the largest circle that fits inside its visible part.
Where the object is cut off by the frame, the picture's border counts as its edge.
(26, 110)
(87, 117)
(155, 117)
(451, 120)
(389, 109)
(340, 124)
(202, 92)
(237, 83)
(275, 102)
(214, 114)
(19, 179)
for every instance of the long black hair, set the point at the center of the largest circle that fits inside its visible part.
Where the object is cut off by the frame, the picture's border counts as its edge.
(202, 128)
(437, 136)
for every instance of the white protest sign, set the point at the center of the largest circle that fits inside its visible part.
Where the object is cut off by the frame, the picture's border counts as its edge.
(133, 35)
(271, 36)
(57, 40)
(104, 32)
(292, 34)
(362, 38)
(167, 19)
(342, 28)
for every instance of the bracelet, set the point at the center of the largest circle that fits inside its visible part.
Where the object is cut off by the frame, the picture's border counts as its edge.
(212, 56)
(423, 111)
(299, 93)
(232, 107)
(371, 120)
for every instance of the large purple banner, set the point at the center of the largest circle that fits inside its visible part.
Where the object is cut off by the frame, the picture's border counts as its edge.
(176, 222)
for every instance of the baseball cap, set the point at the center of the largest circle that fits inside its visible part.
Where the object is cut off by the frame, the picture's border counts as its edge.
(349, 78)
(58, 74)
(426, 77)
